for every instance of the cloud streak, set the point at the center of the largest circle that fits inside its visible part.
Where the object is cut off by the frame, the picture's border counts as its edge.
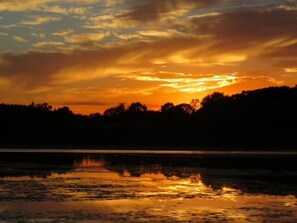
(155, 49)
(38, 20)
(188, 83)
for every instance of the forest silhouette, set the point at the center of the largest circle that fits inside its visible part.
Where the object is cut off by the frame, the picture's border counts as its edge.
(258, 119)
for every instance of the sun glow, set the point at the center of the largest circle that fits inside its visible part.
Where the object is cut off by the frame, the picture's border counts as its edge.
(135, 50)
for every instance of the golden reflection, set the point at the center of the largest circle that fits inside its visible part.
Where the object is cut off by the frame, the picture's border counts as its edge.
(94, 187)
(22, 178)
(154, 184)
(88, 163)
(229, 193)
(189, 186)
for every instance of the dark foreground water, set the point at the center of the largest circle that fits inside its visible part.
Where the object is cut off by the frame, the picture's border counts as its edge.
(73, 186)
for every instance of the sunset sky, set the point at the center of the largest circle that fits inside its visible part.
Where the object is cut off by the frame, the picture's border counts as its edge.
(94, 54)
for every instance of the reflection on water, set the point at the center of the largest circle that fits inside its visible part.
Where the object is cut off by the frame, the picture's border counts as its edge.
(147, 188)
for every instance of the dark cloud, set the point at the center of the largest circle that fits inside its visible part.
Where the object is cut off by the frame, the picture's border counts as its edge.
(152, 10)
(245, 28)
(37, 68)
(289, 51)
(283, 57)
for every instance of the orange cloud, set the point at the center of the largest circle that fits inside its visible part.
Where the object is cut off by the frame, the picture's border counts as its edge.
(188, 83)
(229, 50)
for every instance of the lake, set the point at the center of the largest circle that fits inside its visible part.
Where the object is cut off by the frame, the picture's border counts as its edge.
(147, 186)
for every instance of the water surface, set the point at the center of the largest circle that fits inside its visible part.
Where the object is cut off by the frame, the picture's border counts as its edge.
(79, 186)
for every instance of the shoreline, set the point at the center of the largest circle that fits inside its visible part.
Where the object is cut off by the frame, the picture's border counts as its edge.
(153, 152)
(148, 149)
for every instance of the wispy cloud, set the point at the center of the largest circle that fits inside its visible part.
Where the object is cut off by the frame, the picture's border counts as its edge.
(63, 32)
(38, 20)
(189, 83)
(29, 5)
(20, 39)
(38, 35)
(57, 9)
(85, 37)
(48, 44)
(16, 5)
(291, 70)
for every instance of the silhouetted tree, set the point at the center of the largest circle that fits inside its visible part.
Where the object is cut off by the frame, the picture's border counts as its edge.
(167, 107)
(44, 107)
(183, 109)
(137, 107)
(214, 97)
(115, 111)
(64, 111)
(96, 117)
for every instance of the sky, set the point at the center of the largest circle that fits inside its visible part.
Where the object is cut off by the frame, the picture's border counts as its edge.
(94, 54)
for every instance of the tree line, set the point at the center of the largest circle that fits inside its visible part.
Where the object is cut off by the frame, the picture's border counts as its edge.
(262, 119)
